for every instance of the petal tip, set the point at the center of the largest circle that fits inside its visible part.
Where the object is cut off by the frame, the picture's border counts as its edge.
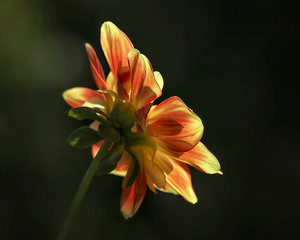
(194, 200)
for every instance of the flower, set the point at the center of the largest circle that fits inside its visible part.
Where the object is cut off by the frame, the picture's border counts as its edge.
(152, 144)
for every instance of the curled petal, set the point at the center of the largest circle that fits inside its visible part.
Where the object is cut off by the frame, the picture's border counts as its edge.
(132, 197)
(96, 67)
(116, 46)
(144, 87)
(75, 97)
(200, 158)
(175, 125)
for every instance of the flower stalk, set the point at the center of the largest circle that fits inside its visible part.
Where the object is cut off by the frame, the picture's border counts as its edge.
(85, 182)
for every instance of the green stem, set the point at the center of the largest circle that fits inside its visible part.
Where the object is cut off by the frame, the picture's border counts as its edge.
(85, 182)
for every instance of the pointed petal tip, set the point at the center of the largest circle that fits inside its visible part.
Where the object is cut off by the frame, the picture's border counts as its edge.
(220, 172)
(126, 215)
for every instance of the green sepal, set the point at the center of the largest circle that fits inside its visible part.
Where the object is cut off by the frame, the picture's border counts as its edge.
(83, 137)
(109, 133)
(81, 113)
(111, 159)
(135, 171)
(125, 113)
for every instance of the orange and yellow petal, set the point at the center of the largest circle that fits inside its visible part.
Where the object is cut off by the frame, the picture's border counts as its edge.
(153, 171)
(116, 46)
(177, 175)
(144, 87)
(75, 97)
(122, 166)
(200, 158)
(180, 180)
(96, 67)
(96, 102)
(112, 82)
(175, 125)
(132, 197)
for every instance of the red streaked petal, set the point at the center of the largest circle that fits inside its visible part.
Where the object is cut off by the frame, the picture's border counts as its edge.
(177, 176)
(175, 124)
(124, 82)
(116, 46)
(132, 197)
(141, 115)
(180, 180)
(96, 67)
(200, 158)
(144, 87)
(75, 97)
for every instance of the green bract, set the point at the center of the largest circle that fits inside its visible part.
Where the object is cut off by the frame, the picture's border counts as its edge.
(83, 137)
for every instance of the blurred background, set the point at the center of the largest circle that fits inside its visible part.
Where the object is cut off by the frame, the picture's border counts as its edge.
(232, 62)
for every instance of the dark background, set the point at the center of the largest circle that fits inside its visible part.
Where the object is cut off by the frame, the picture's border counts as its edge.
(232, 62)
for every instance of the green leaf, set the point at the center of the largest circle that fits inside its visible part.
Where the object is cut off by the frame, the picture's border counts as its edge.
(82, 113)
(135, 171)
(83, 137)
(111, 159)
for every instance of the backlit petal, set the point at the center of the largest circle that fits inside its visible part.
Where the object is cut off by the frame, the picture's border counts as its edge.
(122, 166)
(116, 46)
(159, 79)
(112, 82)
(154, 171)
(177, 176)
(96, 67)
(200, 158)
(96, 102)
(144, 87)
(75, 97)
(175, 124)
(132, 197)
